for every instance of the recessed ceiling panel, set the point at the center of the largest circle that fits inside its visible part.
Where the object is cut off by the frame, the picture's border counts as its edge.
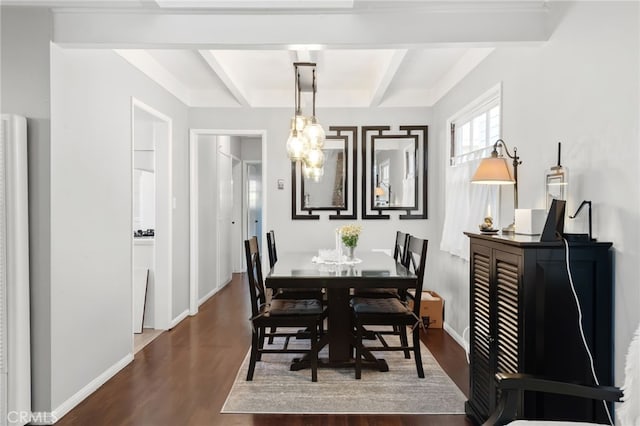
(423, 68)
(188, 67)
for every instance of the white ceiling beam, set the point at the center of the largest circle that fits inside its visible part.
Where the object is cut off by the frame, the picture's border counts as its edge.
(387, 77)
(156, 72)
(224, 76)
(268, 30)
(471, 59)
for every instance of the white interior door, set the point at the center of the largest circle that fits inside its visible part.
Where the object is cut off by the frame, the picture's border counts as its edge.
(225, 217)
(236, 222)
(254, 200)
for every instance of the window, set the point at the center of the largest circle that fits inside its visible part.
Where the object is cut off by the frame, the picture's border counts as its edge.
(474, 130)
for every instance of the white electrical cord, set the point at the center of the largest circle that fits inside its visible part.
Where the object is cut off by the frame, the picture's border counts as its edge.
(466, 343)
(584, 340)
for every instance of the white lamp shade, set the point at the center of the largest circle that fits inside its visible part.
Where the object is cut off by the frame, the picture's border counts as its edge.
(493, 171)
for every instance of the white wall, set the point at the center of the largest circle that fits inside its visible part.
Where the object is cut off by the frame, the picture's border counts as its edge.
(91, 170)
(580, 88)
(311, 235)
(24, 90)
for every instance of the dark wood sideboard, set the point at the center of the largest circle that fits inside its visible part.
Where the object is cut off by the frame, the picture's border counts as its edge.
(523, 319)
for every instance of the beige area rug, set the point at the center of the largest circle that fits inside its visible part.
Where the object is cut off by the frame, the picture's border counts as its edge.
(277, 390)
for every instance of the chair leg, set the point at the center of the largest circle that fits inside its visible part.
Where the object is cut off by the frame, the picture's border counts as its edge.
(314, 353)
(402, 331)
(254, 355)
(261, 336)
(416, 352)
(358, 351)
(272, 330)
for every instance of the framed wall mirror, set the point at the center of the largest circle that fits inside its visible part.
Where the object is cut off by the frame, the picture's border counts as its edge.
(335, 189)
(395, 175)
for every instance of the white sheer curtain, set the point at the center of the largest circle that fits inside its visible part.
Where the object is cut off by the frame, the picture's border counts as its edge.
(465, 206)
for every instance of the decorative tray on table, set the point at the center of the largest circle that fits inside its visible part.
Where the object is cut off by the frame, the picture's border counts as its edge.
(489, 231)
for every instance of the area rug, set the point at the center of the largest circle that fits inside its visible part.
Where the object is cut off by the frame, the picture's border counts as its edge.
(277, 390)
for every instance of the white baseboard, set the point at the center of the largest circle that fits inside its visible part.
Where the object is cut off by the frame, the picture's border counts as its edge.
(454, 334)
(42, 418)
(46, 418)
(207, 296)
(179, 318)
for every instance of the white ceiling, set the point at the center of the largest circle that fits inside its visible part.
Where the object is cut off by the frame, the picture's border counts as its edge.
(240, 53)
(345, 77)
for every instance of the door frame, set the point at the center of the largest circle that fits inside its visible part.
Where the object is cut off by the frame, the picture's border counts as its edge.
(194, 203)
(245, 211)
(163, 269)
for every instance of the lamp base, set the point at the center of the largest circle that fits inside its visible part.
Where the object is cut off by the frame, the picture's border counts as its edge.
(511, 229)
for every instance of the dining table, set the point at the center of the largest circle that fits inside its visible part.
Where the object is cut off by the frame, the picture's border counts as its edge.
(370, 269)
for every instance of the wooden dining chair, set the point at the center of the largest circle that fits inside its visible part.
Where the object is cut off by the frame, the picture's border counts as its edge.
(271, 248)
(307, 313)
(399, 254)
(288, 293)
(392, 311)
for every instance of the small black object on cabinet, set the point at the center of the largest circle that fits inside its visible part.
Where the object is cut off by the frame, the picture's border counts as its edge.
(524, 319)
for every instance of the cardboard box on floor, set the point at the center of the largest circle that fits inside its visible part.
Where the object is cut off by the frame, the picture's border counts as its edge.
(432, 306)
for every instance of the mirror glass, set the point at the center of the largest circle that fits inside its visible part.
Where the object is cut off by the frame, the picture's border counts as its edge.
(394, 173)
(329, 191)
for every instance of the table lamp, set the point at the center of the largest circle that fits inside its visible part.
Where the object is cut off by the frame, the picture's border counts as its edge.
(494, 170)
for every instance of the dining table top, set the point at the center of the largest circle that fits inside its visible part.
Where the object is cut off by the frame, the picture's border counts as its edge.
(371, 269)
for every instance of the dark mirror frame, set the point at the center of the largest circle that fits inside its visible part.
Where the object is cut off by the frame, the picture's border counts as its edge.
(377, 134)
(348, 134)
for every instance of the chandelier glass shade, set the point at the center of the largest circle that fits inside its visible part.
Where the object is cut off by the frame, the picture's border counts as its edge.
(314, 158)
(314, 173)
(306, 135)
(314, 133)
(297, 146)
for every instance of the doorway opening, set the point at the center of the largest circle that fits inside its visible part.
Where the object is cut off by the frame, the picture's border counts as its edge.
(150, 222)
(219, 197)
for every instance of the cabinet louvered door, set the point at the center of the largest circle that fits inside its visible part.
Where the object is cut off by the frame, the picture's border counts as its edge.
(507, 312)
(481, 379)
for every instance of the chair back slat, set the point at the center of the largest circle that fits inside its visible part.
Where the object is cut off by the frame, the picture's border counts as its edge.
(254, 273)
(400, 249)
(416, 261)
(271, 248)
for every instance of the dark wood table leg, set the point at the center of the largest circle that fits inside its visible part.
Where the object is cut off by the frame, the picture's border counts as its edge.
(340, 338)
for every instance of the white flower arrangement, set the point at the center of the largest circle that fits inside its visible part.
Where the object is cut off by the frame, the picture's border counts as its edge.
(350, 234)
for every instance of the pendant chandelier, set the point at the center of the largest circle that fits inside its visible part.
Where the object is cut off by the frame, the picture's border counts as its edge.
(306, 135)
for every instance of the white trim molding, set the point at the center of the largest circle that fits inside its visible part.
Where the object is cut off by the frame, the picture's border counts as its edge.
(458, 338)
(49, 418)
(177, 320)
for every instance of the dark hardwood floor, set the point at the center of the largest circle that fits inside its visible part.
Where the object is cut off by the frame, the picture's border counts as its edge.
(183, 377)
